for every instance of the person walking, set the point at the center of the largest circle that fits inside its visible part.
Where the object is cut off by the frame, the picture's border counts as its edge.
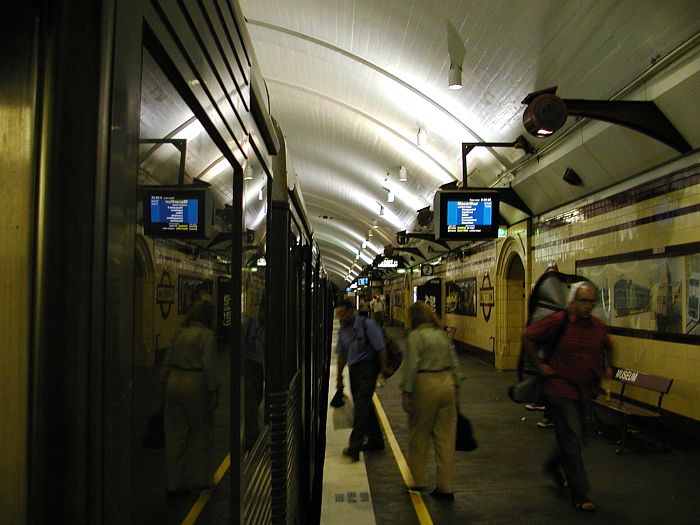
(361, 347)
(377, 307)
(579, 360)
(430, 390)
(191, 396)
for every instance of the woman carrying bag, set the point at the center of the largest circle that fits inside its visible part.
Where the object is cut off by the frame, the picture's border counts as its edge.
(431, 378)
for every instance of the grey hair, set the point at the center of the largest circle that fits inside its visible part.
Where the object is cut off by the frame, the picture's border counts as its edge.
(575, 288)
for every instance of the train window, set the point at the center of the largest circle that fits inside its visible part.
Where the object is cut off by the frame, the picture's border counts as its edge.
(182, 289)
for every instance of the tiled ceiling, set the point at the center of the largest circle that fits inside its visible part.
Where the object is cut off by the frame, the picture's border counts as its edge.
(351, 82)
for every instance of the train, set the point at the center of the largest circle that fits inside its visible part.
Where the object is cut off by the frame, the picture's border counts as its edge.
(128, 224)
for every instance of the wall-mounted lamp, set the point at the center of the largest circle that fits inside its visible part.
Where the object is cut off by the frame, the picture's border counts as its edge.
(546, 113)
(403, 175)
(572, 177)
(390, 196)
(381, 210)
(364, 243)
(422, 137)
(260, 194)
(374, 224)
(455, 77)
(248, 172)
(369, 233)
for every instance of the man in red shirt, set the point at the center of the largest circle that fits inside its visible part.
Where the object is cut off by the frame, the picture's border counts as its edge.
(579, 360)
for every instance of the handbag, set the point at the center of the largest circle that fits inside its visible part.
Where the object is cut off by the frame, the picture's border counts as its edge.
(154, 437)
(529, 390)
(464, 441)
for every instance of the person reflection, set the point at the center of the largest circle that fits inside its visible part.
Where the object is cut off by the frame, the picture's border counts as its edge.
(191, 396)
(254, 345)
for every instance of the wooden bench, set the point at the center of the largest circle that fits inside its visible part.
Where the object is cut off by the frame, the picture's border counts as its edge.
(628, 408)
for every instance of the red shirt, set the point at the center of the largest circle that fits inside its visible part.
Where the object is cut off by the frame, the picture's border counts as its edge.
(579, 357)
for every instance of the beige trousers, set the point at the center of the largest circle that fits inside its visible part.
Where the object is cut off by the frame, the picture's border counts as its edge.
(433, 421)
(189, 431)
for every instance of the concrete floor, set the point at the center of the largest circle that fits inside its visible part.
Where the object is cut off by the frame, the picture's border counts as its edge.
(501, 483)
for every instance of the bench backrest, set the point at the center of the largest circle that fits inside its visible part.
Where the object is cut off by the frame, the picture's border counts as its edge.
(650, 382)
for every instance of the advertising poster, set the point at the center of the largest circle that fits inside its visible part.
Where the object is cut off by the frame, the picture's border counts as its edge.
(430, 293)
(191, 290)
(648, 294)
(460, 297)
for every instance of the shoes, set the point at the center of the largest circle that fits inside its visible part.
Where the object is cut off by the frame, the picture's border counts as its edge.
(177, 493)
(534, 406)
(584, 506)
(450, 496)
(354, 455)
(545, 423)
(373, 446)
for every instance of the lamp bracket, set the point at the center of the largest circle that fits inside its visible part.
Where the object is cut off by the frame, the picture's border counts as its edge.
(519, 143)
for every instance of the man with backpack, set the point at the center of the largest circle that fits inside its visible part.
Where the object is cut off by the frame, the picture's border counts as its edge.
(361, 346)
(579, 360)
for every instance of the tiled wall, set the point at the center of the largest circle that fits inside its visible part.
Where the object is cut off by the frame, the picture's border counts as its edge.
(652, 217)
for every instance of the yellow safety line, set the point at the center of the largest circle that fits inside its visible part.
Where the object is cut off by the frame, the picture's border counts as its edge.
(203, 498)
(416, 497)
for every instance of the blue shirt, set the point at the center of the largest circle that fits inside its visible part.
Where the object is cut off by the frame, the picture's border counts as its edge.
(363, 344)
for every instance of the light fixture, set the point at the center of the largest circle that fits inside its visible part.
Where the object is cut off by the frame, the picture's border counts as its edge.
(364, 243)
(390, 196)
(260, 193)
(455, 77)
(248, 172)
(369, 233)
(544, 114)
(403, 176)
(381, 210)
(422, 137)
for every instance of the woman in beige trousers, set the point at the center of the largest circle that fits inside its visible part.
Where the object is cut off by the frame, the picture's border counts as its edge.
(431, 378)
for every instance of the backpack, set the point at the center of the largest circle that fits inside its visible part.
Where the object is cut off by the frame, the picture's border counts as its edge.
(393, 351)
(549, 295)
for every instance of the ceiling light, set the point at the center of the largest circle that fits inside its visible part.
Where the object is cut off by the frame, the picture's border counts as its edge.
(390, 196)
(248, 172)
(455, 77)
(403, 176)
(369, 234)
(374, 224)
(381, 210)
(422, 138)
(260, 193)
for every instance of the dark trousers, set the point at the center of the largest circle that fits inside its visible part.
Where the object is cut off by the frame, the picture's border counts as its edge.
(568, 416)
(363, 380)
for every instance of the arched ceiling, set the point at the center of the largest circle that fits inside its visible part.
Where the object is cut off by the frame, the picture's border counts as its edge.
(351, 82)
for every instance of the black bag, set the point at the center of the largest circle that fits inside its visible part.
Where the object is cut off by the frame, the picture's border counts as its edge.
(154, 437)
(529, 390)
(393, 351)
(338, 399)
(465, 435)
(549, 295)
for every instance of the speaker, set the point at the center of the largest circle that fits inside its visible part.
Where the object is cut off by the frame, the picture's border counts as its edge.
(572, 177)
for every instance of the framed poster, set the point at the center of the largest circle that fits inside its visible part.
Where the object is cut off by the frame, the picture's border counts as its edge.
(460, 297)
(191, 290)
(651, 293)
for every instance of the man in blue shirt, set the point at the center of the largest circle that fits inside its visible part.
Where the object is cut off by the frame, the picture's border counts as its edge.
(361, 347)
